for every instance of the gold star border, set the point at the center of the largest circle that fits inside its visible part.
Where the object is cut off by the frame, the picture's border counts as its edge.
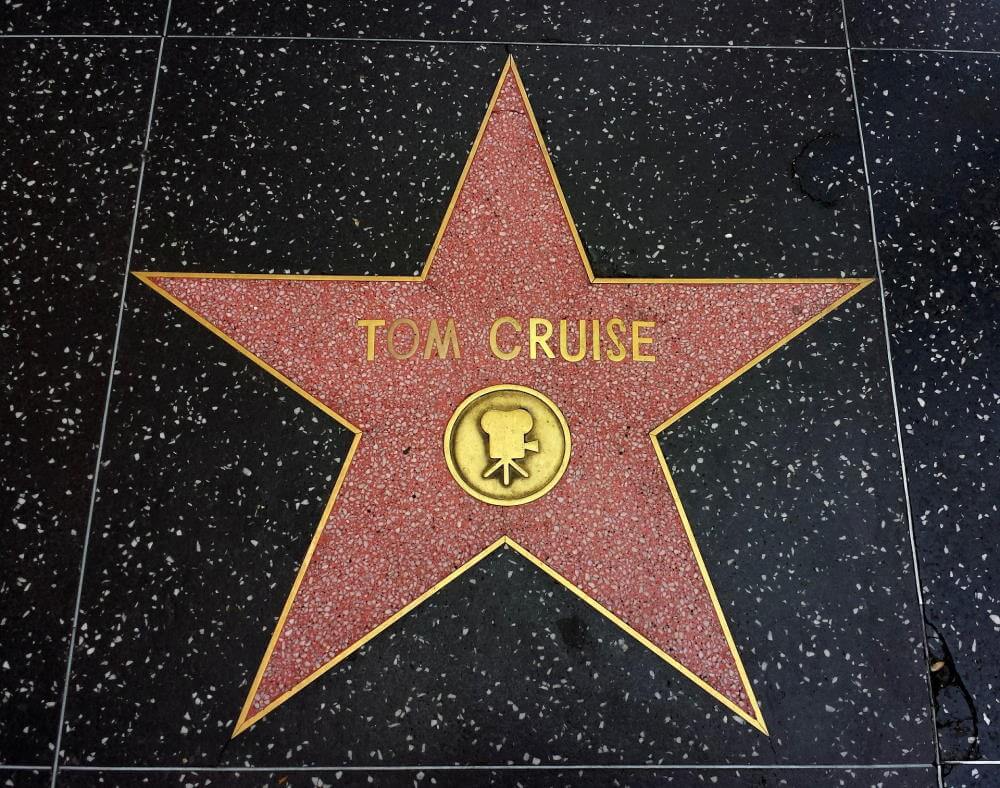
(246, 718)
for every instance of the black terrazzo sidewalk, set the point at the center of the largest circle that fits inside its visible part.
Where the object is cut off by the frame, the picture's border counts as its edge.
(698, 140)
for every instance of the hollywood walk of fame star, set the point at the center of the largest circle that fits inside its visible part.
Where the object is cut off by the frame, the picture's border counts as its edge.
(399, 524)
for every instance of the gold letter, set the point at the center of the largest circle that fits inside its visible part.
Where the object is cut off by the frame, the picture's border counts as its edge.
(581, 349)
(515, 350)
(638, 341)
(540, 340)
(618, 354)
(595, 351)
(442, 344)
(371, 325)
(403, 321)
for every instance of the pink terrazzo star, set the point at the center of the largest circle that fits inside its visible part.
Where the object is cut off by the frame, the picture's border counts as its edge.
(399, 525)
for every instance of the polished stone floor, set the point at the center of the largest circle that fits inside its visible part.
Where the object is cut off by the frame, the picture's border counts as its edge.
(160, 490)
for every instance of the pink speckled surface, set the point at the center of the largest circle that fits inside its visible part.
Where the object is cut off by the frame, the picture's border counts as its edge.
(401, 523)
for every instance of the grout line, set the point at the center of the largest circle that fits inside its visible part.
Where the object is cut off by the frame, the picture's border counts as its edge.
(501, 42)
(895, 402)
(107, 405)
(972, 763)
(929, 50)
(509, 767)
(79, 35)
(20, 767)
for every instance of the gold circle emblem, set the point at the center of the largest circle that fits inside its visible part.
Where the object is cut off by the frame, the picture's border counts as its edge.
(507, 445)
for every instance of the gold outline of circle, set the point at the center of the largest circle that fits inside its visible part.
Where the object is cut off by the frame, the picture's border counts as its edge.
(501, 501)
